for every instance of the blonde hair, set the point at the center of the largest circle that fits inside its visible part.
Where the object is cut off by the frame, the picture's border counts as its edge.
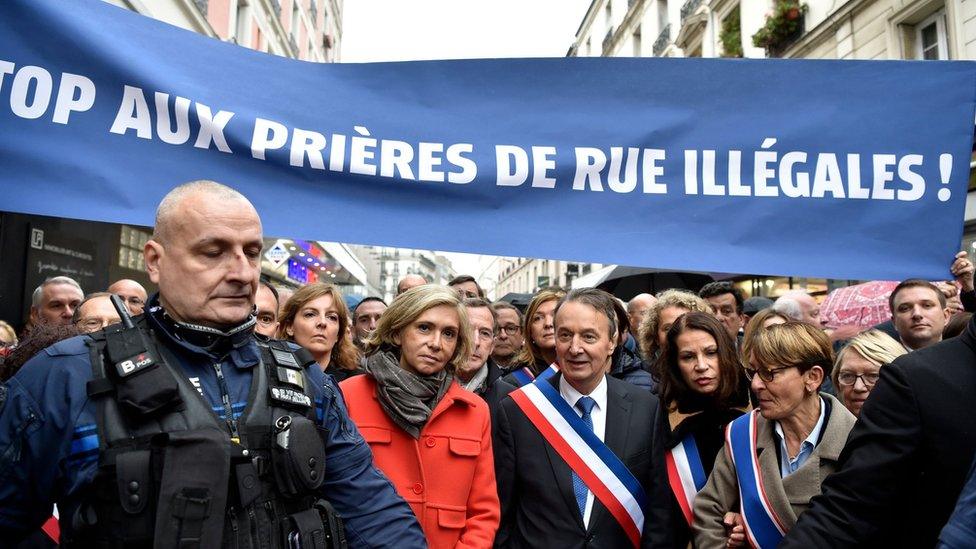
(7, 334)
(647, 332)
(344, 353)
(755, 326)
(874, 346)
(530, 352)
(407, 307)
(793, 344)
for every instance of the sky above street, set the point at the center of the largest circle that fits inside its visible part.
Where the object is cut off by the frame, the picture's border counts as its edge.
(416, 30)
(410, 30)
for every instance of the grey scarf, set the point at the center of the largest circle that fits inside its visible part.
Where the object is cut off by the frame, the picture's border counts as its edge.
(406, 397)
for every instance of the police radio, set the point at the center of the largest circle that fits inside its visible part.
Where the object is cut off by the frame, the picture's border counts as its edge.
(142, 386)
(131, 354)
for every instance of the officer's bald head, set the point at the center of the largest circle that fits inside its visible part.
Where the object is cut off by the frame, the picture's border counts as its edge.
(169, 209)
(205, 254)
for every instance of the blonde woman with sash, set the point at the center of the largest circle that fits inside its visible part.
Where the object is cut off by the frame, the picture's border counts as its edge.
(775, 457)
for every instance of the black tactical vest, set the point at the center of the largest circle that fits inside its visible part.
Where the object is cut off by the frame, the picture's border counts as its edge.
(172, 474)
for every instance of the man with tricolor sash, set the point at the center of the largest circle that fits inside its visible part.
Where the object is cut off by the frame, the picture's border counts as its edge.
(579, 455)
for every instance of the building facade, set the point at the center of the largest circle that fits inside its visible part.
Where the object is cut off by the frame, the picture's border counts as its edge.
(310, 30)
(812, 29)
(818, 29)
(523, 275)
(385, 266)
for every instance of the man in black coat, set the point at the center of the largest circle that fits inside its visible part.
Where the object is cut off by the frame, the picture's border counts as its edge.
(542, 506)
(481, 375)
(906, 459)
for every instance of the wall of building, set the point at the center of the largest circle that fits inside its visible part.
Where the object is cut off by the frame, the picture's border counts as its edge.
(310, 30)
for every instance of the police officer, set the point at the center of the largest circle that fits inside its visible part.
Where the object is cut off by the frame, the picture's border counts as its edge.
(174, 429)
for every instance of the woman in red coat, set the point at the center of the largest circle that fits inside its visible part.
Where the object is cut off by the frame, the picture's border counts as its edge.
(428, 435)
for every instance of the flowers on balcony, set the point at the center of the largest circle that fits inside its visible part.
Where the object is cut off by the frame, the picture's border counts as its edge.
(731, 34)
(783, 25)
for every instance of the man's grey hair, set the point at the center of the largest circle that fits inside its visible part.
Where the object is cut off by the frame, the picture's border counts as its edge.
(39, 291)
(788, 306)
(170, 204)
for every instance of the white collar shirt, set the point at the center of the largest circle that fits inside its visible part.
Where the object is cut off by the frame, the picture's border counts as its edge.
(598, 415)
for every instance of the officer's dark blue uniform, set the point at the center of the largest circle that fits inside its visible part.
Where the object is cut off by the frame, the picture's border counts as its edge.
(49, 440)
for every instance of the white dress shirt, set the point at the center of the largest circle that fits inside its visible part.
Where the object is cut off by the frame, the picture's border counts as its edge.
(598, 415)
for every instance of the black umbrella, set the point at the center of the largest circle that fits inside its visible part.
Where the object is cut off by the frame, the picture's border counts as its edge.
(520, 301)
(626, 282)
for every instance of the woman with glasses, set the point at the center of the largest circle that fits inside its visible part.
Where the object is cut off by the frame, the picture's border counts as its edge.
(316, 317)
(702, 389)
(859, 364)
(775, 458)
(428, 435)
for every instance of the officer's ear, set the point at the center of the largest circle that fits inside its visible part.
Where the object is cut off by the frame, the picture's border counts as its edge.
(153, 252)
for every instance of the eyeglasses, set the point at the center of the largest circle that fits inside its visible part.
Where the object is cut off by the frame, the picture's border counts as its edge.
(766, 375)
(510, 329)
(132, 300)
(93, 324)
(850, 378)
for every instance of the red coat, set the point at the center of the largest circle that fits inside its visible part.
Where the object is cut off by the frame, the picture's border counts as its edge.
(447, 475)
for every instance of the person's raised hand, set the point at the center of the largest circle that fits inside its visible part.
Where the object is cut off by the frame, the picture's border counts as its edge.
(962, 269)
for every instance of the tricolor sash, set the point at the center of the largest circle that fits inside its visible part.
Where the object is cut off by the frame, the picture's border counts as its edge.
(685, 474)
(763, 527)
(52, 528)
(552, 370)
(600, 469)
(524, 375)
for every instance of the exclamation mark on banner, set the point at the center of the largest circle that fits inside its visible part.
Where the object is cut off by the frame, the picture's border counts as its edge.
(945, 168)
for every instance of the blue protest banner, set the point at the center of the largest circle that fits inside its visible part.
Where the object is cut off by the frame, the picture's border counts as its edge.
(841, 169)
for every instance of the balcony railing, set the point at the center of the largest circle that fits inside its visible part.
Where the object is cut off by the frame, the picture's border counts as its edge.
(689, 8)
(314, 11)
(276, 6)
(607, 40)
(662, 41)
(202, 6)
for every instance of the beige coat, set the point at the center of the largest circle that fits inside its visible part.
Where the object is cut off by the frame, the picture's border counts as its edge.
(788, 497)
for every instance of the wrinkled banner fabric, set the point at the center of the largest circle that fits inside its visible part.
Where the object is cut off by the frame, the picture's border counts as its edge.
(841, 169)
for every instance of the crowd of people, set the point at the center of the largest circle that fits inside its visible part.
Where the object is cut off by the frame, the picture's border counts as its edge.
(225, 411)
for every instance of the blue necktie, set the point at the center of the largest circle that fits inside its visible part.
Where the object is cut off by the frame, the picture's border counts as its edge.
(585, 404)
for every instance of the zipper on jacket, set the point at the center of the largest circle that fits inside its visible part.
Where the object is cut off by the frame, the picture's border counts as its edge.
(228, 408)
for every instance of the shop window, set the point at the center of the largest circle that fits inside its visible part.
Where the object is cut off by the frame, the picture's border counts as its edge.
(131, 243)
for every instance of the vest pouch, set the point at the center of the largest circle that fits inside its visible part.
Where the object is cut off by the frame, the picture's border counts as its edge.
(306, 530)
(297, 456)
(193, 489)
(142, 385)
(148, 391)
(134, 481)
